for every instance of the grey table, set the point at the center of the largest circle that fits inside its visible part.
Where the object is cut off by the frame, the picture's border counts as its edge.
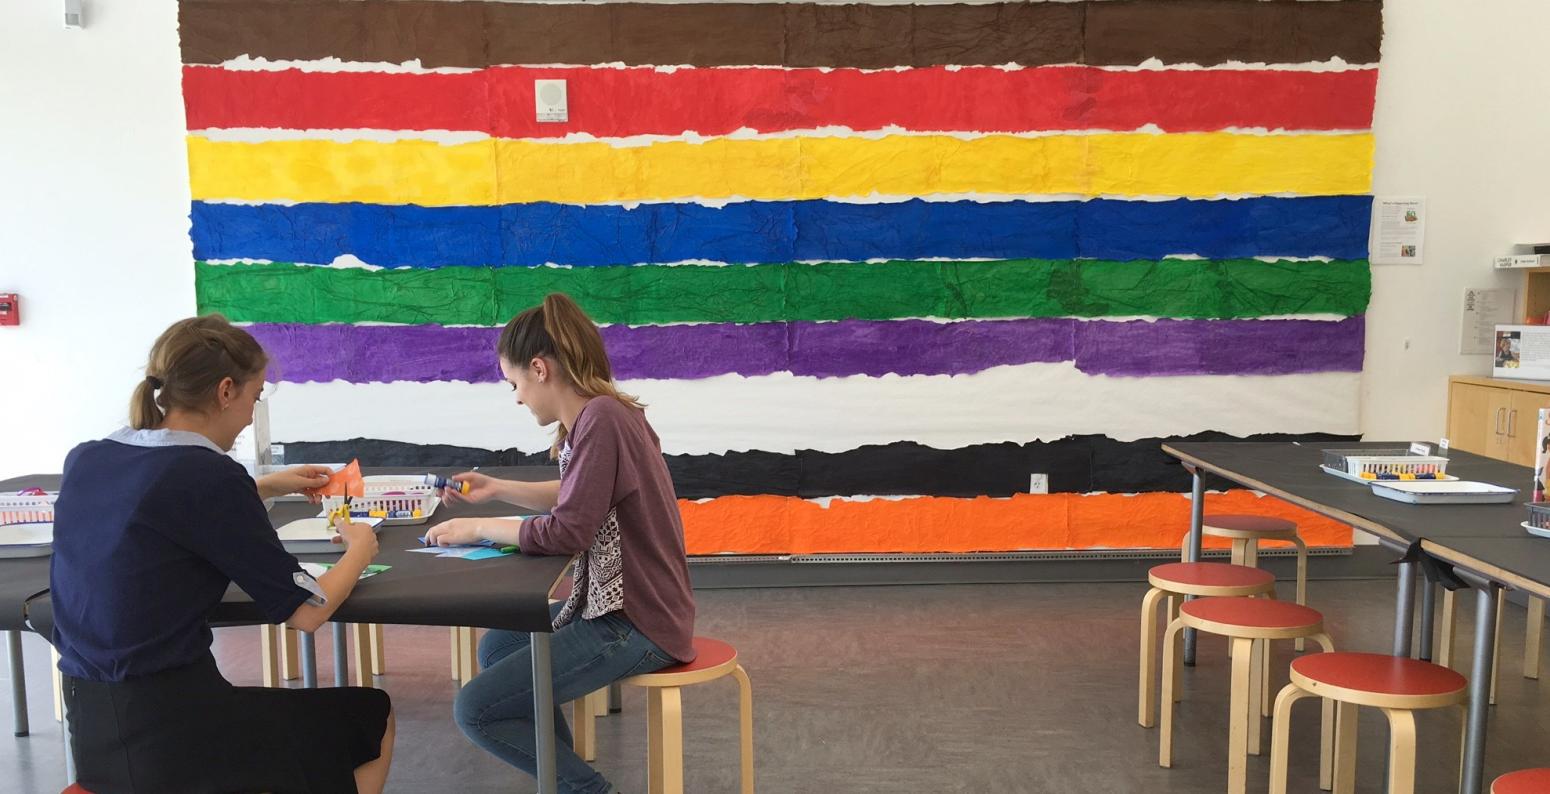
(510, 592)
(1484, 544)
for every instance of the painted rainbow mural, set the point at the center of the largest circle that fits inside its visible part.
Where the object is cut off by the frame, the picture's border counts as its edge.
(870, 265)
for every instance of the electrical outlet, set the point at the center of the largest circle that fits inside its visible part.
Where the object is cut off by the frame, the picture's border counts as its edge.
(1038, 483)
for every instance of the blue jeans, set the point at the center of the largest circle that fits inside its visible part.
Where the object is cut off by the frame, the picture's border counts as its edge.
(495, 710)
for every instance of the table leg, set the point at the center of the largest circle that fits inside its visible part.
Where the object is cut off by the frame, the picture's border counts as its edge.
(1197, 506)
(341, 655)
(13, 641)
(1404, 609)
(543, 712)
(1428, 615)
(1473, 781)
(309, 659)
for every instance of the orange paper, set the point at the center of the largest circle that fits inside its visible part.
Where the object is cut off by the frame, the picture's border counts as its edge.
(345, 482)
(788, 525)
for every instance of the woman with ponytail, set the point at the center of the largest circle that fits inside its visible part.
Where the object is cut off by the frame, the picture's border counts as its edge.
(151, 527)
(631, 610)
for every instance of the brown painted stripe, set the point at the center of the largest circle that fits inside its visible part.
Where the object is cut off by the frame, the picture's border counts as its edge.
(477, 34)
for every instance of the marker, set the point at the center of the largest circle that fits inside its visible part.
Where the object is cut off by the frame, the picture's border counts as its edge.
(508, 550)
(438, 481)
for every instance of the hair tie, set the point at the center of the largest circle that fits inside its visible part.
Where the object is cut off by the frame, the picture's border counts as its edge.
(156, 383)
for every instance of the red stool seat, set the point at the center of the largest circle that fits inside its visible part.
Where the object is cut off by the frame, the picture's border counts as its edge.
(1245, 523)
(1378, 674)
(1209, 574)
(1253, 613)
(1523, 781)
(562, 590)
(708, 653)
(75, 788)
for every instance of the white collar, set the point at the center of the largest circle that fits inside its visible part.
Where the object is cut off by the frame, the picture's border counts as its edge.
(164, 438)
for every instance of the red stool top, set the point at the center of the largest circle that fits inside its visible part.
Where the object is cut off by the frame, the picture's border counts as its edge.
(75, 788)
(708, 653)
(1258, 613)
(1523, 781)
(563, 589)
(1246, 523)
(1212, 574)
(1378, 673)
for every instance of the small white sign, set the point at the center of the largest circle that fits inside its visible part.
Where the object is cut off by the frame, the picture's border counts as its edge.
(550, 101)
(1442, 447)
(1398, 230)
(1419, 448)
(1038, 483)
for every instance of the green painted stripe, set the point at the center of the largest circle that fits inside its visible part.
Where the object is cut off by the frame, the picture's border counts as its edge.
(645, 295)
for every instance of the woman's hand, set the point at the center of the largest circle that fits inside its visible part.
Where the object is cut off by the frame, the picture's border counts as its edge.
(481, 488)
(456, 532)
(359, 536)
(293, 480)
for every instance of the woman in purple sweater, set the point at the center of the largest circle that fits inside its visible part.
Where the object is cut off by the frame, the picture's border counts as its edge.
(631, 610)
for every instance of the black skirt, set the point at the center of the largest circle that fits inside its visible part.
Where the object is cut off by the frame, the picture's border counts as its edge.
(189, 730)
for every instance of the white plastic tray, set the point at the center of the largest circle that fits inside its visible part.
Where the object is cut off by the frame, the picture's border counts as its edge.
(1458, 492)
(29, 539)
(315, 536)
(1533, 530)
(1345, 475)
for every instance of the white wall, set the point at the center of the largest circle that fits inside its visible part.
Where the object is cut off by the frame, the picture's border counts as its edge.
(1463, 118)
(93, 216)
(94, 203)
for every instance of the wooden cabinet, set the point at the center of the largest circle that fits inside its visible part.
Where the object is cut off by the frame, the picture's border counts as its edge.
(1495, 417)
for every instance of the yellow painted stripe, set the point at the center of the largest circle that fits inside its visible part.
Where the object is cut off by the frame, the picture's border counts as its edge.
(511, 171)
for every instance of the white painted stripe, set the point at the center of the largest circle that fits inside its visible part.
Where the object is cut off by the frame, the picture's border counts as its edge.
(784, 412)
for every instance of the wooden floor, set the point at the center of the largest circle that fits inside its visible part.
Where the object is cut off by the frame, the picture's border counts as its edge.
(980, 688)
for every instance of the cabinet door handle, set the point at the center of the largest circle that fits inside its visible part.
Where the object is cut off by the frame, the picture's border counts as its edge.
(1512, 423)
(1501, 416)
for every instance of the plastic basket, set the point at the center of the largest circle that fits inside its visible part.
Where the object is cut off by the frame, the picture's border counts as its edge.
(19, 508)
(1539, 515)
(1381, 465)
(402, 507)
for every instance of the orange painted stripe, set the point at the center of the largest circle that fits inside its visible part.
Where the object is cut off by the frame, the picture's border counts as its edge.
(788, 525)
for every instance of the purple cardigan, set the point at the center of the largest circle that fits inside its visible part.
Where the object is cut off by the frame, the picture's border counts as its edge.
(616, 463)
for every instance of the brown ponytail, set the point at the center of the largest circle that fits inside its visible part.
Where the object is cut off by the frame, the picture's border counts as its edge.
(559, 329)
(187, 362)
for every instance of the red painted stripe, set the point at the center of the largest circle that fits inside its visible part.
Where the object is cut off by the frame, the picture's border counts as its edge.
(642, 101)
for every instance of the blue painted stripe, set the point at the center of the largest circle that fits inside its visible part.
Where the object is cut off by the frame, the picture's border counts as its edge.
(782, 231)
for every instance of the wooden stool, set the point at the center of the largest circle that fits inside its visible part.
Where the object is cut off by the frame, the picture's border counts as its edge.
(1397, 685)
(75, 788)
(1175, 580)
(1250, 624)
(1523, 781)
(664, 720)
(1246, 533)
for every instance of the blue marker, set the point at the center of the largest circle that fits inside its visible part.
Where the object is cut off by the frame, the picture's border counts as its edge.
(438, 481)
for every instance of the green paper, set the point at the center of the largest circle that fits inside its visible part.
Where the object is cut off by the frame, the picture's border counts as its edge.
(650, 294)
(371, 570)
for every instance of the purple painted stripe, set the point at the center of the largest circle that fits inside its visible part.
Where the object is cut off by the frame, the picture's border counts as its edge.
(369, 353)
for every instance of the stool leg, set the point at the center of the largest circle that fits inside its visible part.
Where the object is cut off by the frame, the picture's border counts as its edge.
(1496, 647)
(1240, 706)
(378, 650)
(1178, 667)
(468, 655)
(290, 654)
(1264, 677)
(1258, 683)
(664, 741)
(1251, 553)
(1531, 638)
(1146, 692)
(457, 653)
(745, 718)
(1280, 735)
(1172, 660)
(59, 686)
(1302, 582)
(1344, 781)
(1326, 725)
(1238, 546)
(583, 733)
(360, 652)
(1401, 751)
(1444, 655)
(269, 653)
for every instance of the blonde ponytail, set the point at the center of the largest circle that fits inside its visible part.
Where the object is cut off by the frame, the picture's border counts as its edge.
(558, 328)
(187, 362)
